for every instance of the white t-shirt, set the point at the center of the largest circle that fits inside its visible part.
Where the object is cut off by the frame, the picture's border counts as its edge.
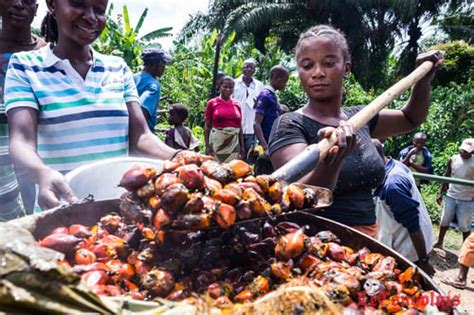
(246, 96)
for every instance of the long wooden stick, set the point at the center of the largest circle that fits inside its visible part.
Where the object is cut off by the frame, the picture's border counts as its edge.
(307, 160)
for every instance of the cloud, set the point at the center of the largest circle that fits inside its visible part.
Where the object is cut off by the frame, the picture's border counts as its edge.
(161, 14)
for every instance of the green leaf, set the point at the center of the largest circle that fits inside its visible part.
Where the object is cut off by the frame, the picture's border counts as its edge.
(140, 21)
(159, 33)
(126, 20)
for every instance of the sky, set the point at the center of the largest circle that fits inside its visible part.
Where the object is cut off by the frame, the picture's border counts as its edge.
(161, 14)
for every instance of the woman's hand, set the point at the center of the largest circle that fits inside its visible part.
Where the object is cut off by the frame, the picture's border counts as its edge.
(434, 56)
(52, 188)
(209, 150)
(439, 199)
(346, 140)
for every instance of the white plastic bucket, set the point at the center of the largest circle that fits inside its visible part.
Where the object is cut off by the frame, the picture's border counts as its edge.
(101, 179)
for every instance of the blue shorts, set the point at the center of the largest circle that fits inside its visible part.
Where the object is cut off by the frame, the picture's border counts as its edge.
(463, 210)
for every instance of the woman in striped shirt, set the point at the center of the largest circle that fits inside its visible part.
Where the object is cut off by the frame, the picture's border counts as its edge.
(69, 105)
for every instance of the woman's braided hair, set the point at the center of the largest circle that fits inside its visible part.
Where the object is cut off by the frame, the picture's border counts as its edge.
(329, 32)
(49, 28)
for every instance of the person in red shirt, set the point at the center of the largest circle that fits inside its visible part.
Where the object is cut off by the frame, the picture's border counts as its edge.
(223, 128)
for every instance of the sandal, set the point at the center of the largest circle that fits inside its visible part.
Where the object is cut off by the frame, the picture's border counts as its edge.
(454, 283)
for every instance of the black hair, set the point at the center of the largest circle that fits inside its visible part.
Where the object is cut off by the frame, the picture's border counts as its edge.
(420, 135)
(227, 78)
(181, 110)
(329, 32)
(49, 28)
(278, 71)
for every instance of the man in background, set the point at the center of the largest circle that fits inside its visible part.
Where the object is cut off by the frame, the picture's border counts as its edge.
(246, 91)
(417, 156)
(459, 199)
(148, 84)
(405, 224)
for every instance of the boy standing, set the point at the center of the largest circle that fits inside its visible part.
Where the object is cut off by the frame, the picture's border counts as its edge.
(267, 109)
(180, 137)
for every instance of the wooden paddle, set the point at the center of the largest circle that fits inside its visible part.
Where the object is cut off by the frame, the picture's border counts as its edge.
(307, 160)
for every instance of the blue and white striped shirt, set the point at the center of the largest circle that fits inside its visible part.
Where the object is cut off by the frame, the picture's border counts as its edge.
(79, 120)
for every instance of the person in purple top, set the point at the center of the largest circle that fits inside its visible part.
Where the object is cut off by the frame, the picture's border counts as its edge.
(267, 110)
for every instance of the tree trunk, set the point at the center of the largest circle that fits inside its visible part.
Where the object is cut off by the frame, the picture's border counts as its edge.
(215, 69)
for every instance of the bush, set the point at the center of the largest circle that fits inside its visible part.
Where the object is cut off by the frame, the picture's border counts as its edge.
(458, 60)
(429, 193)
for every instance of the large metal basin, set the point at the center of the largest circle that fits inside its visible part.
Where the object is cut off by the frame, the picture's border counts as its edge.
(88, 213)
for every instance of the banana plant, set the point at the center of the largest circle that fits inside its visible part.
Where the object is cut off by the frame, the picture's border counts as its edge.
(121, 39)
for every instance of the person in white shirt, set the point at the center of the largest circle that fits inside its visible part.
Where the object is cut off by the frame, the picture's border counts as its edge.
(246, 91)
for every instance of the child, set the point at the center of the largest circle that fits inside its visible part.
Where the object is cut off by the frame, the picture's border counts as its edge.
(180, 137)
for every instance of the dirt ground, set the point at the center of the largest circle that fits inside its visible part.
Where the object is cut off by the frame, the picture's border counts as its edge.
(445, 263)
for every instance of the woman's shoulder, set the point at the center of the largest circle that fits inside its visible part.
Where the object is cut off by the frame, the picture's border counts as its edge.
(31, 57)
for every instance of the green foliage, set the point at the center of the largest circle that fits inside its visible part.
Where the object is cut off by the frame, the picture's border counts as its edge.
(293, 95)
(429, 193)
(458, 23)
(119, 38)
(354, 93)
(450, 120)
(458, 63)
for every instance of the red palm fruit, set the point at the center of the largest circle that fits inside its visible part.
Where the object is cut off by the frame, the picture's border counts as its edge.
(223, 302)
(136, 177)
(264, 181)
(348, 281)
(226, 196)
(406, 277)
(240, 168)
(277, 209)
(174, 198)
(254, 186)
(191, 158)
(158, 282)
(154, 202)
(244, 296)
(250, 179)
(296, 196)
(335, 252)
(215, 290)
(385, 264)
(212, 185)
(225, 215)
(121, 270)
(115, 246)
(101, 252)
(93, 278)
(209, 203)
(164, 181)
(257, 204)
(308, 262)
(290, 245)
(63, 243)
(191, 176)
(371, 259)
(148, 233)
(169, 166)
(84, 257)
(79, 230)
(216, 171)
(60, 230)
(194, 204)
(235, 187)
(146, 190)
(243, 210)
(111, 222)
(275, 192)
(162, 219)
(259, 285)
(282, 269)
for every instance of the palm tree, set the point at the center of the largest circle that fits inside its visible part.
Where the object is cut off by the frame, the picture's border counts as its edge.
(371, 26)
